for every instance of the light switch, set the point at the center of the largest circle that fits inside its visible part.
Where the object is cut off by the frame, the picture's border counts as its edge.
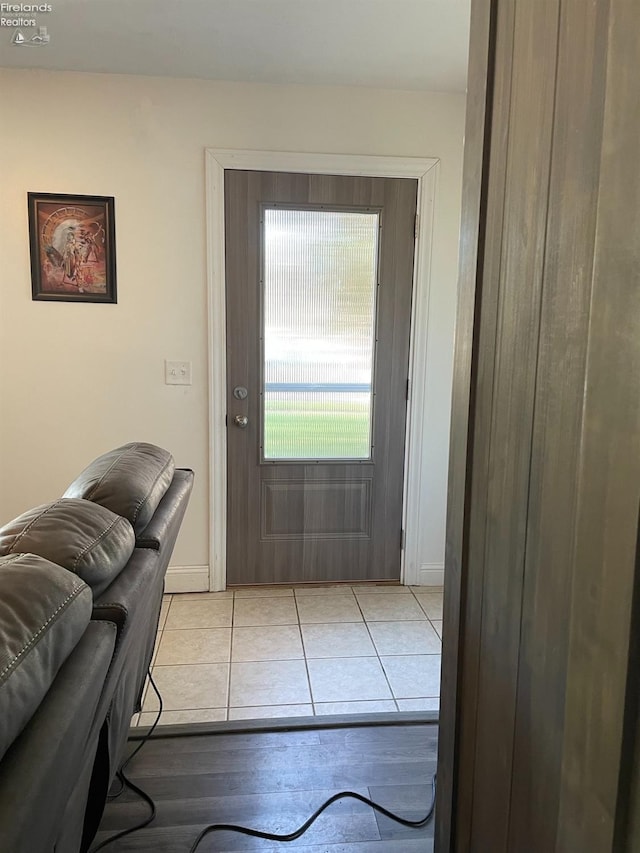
(177, 372)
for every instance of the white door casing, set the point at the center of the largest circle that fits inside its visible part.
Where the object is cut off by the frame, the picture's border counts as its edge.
(418, 497)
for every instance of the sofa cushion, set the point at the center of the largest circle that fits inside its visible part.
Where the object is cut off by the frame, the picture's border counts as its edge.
(81, 536)
(44, 611)
(129, 481)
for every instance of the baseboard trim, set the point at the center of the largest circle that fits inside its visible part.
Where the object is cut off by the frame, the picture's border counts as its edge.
(187, 579)
(431, 574)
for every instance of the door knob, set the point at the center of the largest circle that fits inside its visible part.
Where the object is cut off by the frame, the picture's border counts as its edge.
(241, 421)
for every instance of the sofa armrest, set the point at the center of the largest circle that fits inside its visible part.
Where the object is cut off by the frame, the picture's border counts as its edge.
(40, 770)
(169, 514)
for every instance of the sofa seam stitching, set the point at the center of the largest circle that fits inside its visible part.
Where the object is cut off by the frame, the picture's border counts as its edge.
(32, 522)
(115, 604)
(96, 540)
(73, 594)
(10, 558)
(94, 488)
(119, 634)
(153, 485)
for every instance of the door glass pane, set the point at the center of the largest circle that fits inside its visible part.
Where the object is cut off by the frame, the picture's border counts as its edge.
(320, 275)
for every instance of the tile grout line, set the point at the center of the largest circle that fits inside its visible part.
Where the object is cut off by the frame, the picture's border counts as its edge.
(285, 660)
(233, 619)
(364, 619)
(415, 595)
(429, 619)
(438, 635)
(393, 697)
(304, 653)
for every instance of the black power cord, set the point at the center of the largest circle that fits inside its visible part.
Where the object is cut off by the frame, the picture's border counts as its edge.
(126, 782)
(115, 795)
(244, 830)
(272, 836)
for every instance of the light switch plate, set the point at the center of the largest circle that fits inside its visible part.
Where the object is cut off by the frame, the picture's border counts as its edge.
(177, 372)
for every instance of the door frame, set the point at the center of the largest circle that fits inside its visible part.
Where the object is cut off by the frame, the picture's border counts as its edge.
(425, 171)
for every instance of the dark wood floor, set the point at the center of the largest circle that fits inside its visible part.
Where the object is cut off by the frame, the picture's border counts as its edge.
(274, 781)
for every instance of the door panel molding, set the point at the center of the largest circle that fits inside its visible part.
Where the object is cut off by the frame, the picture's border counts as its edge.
(292, 501)
(416, 496)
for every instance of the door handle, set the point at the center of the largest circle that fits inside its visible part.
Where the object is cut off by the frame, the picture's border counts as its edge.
(241, 421)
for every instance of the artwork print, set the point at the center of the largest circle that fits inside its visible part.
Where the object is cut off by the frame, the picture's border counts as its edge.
(72, 248)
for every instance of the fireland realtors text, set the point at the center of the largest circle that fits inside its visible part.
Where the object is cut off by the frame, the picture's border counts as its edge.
(18, 8)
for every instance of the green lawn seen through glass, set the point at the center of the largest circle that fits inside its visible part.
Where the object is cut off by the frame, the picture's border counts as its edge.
(304, 429)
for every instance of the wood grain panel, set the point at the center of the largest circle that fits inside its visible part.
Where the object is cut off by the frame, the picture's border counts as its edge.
(609, 477)
(627, 829)
(545, 753)
(472, 248)
(327, 509)
(569, 250)
(521, 273)
(480, 438)
(366, 549)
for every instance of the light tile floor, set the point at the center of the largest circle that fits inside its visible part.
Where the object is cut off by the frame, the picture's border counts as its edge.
(296, 651)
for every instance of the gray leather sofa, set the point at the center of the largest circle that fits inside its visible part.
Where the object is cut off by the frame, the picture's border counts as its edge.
(81, 583)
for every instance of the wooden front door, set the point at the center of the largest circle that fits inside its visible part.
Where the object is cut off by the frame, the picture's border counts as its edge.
(319, 276)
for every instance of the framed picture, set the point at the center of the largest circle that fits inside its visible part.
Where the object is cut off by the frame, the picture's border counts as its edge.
(73, 251)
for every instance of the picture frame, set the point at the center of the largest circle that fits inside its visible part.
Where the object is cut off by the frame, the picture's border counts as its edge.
(73, 247)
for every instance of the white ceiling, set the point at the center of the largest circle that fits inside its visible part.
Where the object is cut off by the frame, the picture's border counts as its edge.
(398, 44)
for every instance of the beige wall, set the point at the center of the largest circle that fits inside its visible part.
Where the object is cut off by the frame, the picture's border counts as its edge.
(76, 380)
